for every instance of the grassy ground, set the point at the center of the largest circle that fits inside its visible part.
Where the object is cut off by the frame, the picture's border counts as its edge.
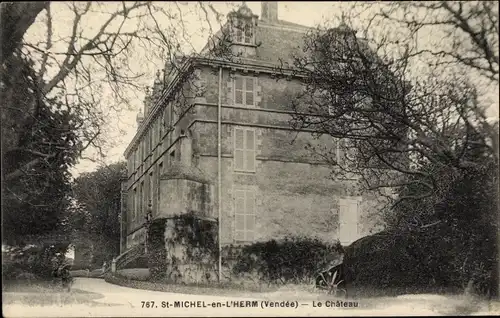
(45, 294)
(220, 289)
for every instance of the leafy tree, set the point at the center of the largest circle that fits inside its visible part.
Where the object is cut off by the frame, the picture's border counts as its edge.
(34, 202)
(98, 194)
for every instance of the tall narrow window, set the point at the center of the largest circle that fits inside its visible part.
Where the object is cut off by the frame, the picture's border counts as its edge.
(244, 210)
(160, 128)
(334, 105)
(151, 188)
(244, 149)
(141, 199)
(248, 33)
(244, 91)
(172, 157)
(134, 204)
(158, 183)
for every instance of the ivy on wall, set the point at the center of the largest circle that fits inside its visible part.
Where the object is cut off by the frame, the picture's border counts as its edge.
(183, 248)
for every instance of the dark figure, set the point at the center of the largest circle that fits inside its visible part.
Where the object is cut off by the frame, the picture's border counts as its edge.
(334, 280)
(65, 276)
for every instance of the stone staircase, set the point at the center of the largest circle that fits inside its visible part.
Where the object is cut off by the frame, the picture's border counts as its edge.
(128, 256)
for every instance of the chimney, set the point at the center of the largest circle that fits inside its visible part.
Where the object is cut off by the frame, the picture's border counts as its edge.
(269, 11)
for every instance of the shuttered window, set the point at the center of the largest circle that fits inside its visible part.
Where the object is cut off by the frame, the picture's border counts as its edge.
(244, 91)
(244, 149)
(244, 207)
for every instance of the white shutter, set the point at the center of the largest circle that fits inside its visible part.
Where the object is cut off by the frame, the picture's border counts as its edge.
(239, 222)
(244, 213)
(250, 215)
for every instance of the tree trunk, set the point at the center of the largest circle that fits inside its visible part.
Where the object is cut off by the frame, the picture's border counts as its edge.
(15, 19)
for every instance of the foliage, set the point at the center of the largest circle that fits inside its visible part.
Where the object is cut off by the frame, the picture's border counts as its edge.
(98, 200)
(179, 244)
(39, 146)
(411, 119)
(466, 206)
(37, 261)
(291, 260)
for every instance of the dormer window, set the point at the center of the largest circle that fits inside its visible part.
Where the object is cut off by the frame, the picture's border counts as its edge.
(243, 32)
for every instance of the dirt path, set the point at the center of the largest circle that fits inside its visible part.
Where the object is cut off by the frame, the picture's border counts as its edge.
(124, 301)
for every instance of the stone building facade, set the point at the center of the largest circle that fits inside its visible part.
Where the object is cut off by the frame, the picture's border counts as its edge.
(215, 138)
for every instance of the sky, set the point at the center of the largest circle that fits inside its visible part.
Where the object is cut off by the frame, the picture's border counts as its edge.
(121, 127)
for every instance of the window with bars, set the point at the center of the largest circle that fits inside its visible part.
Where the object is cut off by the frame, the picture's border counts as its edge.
(244, 149)
(244, 214)
(244, 91)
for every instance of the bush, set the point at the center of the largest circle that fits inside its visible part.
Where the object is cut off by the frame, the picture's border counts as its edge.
(32, 262)
(291, 260)
(134, 273)
(139, 262)
(427, 260)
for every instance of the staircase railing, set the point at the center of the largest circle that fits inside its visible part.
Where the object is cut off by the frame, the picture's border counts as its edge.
(128, 256)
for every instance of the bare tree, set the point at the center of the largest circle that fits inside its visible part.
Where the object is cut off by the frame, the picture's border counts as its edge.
(91, 67)
(385, 121)
(406, 114)
(67, 68)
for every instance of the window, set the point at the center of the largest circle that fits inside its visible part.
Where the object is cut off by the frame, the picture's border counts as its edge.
(151, 187)
(335, 104)
(134, 204)
(143, 151)
(244, 91)
(158, 183)
(172, 157)
(244, 149)
(243, 32)
(244, 213)
(348, 220)
(160, 127)
(155, 133)
(141, 199)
